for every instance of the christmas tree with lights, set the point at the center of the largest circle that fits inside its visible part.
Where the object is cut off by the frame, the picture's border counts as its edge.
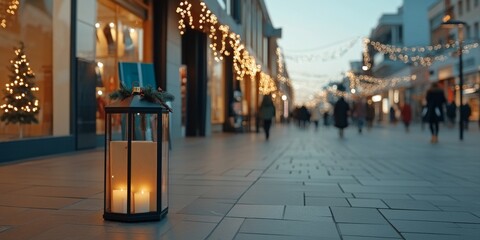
(20, 104)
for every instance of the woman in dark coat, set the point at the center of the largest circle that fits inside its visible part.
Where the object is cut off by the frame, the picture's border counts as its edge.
(340, 115)
(435, 102)
(267, 112)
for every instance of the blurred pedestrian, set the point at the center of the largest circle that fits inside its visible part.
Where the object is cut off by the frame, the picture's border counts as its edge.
(340, 115)
(326, 117)
(315, 116)
(406, 113)
(435, 102)
(359, 113)
(370, 115)
(303, 116)
(466, 113)
(392, 114)
(267, 112)
(451, 113)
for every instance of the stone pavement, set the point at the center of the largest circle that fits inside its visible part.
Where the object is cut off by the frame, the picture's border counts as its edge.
(302, 184)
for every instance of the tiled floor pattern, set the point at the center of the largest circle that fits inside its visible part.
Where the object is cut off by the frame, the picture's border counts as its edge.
(383, 184)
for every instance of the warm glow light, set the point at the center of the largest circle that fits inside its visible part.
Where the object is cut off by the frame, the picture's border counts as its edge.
(284, 97)
(100, 92)
(364, 68)
(100, 64)
(97, 25)
(377, 98)
(111, 24)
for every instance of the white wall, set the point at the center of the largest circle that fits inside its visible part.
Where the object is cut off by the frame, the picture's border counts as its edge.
(416, 24)
(61, 67)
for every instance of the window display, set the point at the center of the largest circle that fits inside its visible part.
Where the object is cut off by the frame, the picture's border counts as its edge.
(119, 39)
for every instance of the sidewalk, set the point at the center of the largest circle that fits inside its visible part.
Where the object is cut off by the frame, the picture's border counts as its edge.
(302, 184)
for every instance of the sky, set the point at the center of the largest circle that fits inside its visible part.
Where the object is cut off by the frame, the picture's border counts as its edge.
(321, 37)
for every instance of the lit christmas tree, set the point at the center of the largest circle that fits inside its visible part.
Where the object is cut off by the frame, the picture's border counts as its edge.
(20, 104)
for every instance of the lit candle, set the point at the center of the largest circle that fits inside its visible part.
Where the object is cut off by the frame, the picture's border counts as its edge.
(119, 201)
(142, 202)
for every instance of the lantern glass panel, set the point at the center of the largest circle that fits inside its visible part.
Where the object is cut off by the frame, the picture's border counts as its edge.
(165, 152)
(116, 156)
(144, 163)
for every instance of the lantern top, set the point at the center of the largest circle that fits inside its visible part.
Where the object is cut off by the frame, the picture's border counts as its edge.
(134, 104)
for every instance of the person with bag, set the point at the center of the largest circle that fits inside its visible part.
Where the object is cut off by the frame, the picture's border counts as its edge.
(267, 112)
(435, 103)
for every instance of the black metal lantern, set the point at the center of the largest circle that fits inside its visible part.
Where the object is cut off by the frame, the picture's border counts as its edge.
(136, 160)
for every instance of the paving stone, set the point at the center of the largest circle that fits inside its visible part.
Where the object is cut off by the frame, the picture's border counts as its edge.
(368, 230)
(426, 227)
(366, 238)
(308, 213)
(290, 228)
(434, 216)
(432, 197)
(366, 203)
(409, 204)
(226, 229)
(419, 236)
(245, 236)
(357, 215)
(382, 196)
(323, 201)
(257, 211)
(207, 207)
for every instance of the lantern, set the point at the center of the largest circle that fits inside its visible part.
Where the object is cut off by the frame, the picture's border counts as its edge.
(136, 160)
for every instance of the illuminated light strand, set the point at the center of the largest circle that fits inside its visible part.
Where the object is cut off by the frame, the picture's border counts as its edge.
(267, 84)
(244, 63)
(365, 84)
(8, 9)
(281, 68)
(367, 60)
(419, 55)
(326, 56)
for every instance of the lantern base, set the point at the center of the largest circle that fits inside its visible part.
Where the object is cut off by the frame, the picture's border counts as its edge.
(135, 217)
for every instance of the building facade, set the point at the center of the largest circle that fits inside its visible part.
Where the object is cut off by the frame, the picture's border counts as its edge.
(75, 54)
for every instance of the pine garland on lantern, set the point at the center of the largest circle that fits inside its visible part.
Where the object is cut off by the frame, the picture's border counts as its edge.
(20, 105)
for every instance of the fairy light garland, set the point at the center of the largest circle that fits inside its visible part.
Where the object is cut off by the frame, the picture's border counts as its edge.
(243, 63)
(7, 10)
(368, 84)
(367, 61)
(323, 57)
(419, 55)
(267, 85)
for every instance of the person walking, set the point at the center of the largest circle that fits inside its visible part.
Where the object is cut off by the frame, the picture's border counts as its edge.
(406, 113)
(451, 113)
(340, 115)
(267, 112)
(359, 113)
(315, 116)
(435, 102)
(466, 113)
(370, 115)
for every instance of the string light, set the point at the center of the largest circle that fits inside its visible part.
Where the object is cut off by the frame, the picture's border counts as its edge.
(267, 85)
(368, 85)
(7, 10)
(326, 56)
(243, 63)
(419, 55)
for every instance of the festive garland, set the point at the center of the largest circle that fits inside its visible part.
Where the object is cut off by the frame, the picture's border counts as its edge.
(148, 94)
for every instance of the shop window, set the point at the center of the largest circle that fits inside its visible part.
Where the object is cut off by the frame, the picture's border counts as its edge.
(31, 24)
(119, 39)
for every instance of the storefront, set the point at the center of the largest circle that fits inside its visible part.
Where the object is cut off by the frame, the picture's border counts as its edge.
(74, 53)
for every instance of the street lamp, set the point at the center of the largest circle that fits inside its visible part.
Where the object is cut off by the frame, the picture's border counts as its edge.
(459, 25)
